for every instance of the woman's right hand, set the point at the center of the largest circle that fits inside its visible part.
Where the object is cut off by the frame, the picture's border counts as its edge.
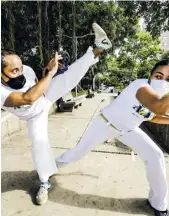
(52, 66)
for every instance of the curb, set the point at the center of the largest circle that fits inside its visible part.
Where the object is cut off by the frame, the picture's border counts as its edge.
(11, 123)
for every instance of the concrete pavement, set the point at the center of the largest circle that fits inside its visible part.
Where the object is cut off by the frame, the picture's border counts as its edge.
(105, 182)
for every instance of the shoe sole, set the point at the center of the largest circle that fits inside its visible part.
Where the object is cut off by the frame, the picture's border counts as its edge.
(100, 29)
(103, 35)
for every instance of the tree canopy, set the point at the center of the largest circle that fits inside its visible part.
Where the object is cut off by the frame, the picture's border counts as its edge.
(36, 29)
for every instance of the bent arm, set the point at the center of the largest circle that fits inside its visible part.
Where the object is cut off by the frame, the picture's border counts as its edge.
(150, 99)
(160, 120)
(30, 96)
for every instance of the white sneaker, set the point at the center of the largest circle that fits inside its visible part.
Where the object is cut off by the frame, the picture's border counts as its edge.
(101, 40)
(42, 195)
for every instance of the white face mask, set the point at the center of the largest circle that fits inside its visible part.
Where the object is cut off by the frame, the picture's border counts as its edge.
(160, 86)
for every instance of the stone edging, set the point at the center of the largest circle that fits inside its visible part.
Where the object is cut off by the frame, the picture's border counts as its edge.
(11, 124)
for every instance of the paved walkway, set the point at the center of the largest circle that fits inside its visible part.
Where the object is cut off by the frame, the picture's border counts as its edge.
(102, 183)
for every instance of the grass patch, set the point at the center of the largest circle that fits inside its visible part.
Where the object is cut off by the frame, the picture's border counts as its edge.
(82, 92)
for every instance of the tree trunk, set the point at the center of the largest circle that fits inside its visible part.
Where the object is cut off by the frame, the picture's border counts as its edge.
(39, 9)
(46, 33)
(60, 26)
(74, 40)
(11, 26)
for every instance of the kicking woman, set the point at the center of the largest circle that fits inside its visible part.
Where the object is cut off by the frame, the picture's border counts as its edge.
(31, 101)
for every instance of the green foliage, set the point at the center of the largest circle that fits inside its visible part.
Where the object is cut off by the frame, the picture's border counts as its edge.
(166, 55)
(25, 27)
(135, 59)
(29, 33)
(155, 14)
(79, 93)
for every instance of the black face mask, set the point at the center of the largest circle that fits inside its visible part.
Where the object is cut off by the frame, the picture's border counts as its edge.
(17, 83)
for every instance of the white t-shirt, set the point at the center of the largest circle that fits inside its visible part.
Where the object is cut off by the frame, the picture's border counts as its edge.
(125, 112)
(24, 112)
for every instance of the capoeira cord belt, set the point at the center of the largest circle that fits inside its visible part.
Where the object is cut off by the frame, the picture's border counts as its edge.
(107, 121)
(111, 125)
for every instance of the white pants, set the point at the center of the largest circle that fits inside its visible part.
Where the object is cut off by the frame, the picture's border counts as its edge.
(37, 126)
(140, 142)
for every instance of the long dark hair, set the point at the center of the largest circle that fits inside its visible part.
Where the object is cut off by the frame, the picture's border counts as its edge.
(164, 62)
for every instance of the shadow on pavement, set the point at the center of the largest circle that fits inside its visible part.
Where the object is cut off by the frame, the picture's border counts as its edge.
(28, 181)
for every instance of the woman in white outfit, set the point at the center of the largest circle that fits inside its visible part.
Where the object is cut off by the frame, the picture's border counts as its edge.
(30, 101)
(142, 100)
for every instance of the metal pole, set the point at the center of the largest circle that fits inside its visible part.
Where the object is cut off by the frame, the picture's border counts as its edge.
(90, 120)
(76, 58)
(74, 31)
(74, 38)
